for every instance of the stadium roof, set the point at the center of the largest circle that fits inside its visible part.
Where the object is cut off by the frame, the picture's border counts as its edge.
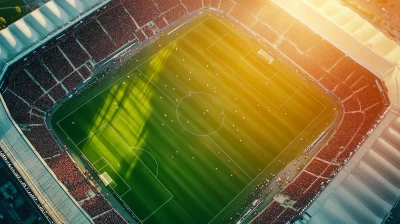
(39, 26)
(353, 35)
(43, 183)
(366, 188)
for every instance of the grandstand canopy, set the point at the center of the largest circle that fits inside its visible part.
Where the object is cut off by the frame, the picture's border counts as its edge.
(367, 188)
(37, 27)
(352, 34)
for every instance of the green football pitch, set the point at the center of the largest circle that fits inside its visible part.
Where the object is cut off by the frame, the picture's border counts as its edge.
(190, 126)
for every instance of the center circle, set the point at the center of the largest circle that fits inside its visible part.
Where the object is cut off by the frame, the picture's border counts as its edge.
(200, 113)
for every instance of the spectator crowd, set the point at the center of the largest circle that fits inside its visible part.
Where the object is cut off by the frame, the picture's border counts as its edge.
(36, 84)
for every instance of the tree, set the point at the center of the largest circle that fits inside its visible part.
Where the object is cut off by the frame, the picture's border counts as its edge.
(18, 9)
(2, 23)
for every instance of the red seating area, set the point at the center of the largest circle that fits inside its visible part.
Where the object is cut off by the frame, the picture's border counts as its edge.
(118, 25)
(360, 84)
(243, 16)
(351, 104)
(37, 112)
(265, 32)
(301, 36)
(316, 166)
(277, 18)
(43, 142)
(226, 5)
(57, 92)
(299, 185)
(18, 108)
(78, 190)
(95, 206)
(330, 170)
(72, 81)
(57, 63)
(85, 72)
(148, 31)
(351, 83)
(140, 35)
(175, 13)
(160, 22)
(325, 54)
(286, 216)
(109, 217)
(99, 46)
(74, 52)
(43, 103)
(60, 164)
(143, 11)
(21, 84)
(41, 74)
(165, 5)
(270, 213)
(308, 195)
(343, 92)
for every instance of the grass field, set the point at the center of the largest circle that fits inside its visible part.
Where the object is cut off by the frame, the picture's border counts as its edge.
(188, 130)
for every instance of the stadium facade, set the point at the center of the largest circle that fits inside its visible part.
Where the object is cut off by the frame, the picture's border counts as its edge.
(37, 71)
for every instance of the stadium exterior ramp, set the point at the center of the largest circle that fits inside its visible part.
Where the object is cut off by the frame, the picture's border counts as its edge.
(368, 186)
(41, 25)
(51, 194)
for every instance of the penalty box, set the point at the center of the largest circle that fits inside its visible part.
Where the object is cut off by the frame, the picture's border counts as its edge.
(114, 172)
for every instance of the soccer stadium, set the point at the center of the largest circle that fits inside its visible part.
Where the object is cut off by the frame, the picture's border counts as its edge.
(200, 111)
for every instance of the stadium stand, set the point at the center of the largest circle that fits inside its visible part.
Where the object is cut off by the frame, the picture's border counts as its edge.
(57, 63)
(95, 206)
(43, 141)
(100, 45)
(109, 217)
(118, 25)
(354, 86)
(72, 80)
(142, 11)
(41, 74)
(85, 72)
(74, 52)
(57, 92)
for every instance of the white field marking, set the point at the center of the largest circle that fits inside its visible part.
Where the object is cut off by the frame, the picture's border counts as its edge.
(98, 160)
(178, 27)
(255, 69)
(279, 71)
(111, 181)
(157, 209)
(149, 171)
(91, 134)
(247, 84)
(120, 178)
(262, 171)
(218, 40)
(247, 55)
(289, 98)
(140, 159)
(230, 158)
(223, 112)
(134, 69)
(58, 123)
(98, 170)
(144, 150)
(156, 86)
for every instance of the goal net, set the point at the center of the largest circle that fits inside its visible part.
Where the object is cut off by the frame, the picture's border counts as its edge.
(269, 58)
(106, 178)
